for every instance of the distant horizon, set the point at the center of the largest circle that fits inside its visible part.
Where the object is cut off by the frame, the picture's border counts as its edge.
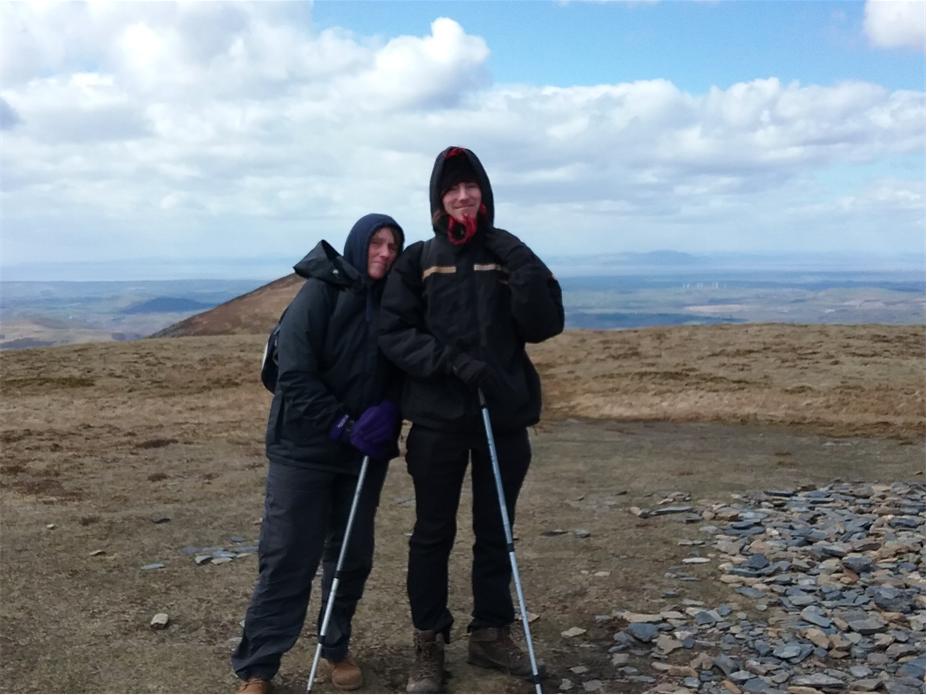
(271, 268)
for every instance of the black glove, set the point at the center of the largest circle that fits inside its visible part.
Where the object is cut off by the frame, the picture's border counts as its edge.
(507, 247)
(473, 372)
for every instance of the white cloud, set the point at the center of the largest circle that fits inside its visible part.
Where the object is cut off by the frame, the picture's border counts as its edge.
(227, 129)
(895, 23)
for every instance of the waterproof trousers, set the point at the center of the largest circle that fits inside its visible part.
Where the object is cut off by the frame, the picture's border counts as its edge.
(437, 462)
(305, 513)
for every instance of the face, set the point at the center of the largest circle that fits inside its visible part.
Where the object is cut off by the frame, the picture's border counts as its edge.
(381, 253)
(462, 200)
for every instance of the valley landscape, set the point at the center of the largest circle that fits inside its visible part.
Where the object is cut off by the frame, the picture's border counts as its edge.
(670, 464)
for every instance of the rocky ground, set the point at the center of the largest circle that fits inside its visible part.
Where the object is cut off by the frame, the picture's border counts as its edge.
(830, 597)
(745, 552)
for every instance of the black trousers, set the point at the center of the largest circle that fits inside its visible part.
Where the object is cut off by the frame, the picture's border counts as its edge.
(305, 512)
(437, 462)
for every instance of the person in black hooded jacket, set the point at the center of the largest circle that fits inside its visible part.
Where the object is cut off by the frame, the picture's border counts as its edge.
(332, 406)
(456, 314)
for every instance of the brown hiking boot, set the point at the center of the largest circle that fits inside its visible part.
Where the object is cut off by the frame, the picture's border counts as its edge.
(346, 674)
(493, 647)
(427, 673)
(255, 685)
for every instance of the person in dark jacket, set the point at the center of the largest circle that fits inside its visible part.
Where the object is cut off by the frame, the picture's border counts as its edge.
(331, 408)
(456, 314)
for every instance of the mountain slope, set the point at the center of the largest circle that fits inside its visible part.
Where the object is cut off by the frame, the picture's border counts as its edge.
(254, 312)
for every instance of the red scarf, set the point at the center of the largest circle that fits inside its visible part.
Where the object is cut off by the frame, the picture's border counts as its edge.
(469, 227)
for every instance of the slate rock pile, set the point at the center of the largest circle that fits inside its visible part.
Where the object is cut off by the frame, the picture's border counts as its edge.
(830, 598)
(220, 555)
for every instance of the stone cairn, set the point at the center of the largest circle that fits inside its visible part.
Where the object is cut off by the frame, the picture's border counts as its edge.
(830, 584)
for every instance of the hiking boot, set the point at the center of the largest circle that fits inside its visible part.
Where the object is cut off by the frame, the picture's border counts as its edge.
(255, 685)
(428, 670)
(346, 674)
(493, 647)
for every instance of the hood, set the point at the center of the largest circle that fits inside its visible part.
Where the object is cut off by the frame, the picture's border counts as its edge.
(358, 241)
(324, 263)
(438, 216)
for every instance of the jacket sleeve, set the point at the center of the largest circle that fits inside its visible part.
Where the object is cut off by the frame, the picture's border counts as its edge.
(403, 338)
(299, 357)
(537, 300)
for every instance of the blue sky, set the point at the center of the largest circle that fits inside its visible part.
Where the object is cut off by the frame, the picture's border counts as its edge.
(696, 45)
(160, 137)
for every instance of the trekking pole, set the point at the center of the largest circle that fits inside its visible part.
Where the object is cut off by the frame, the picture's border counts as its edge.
(334, 590)
(510, 543)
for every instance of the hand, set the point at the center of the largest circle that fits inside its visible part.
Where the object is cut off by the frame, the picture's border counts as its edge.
(475, 373)
(375, 431)
(507, 247)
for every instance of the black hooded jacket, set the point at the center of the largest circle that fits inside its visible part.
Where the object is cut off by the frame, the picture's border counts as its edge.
(443, 299)
(328, 359)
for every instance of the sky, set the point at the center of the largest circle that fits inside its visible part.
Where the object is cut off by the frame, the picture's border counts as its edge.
(203, 139)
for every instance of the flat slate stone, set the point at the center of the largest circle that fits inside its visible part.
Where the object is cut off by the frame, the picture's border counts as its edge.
(645, 632)
(867, 626)
(788, 651)
(573, 632)
(814, 615)
(659, 511)
(757, 685)
(818, 680)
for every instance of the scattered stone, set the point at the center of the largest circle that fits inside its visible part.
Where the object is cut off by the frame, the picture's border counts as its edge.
(817, 637)
(153, 566)
(159, 621)
(667, 644)
(659, 511)
(579, 670)
(566, 684)
(757, 685)
(814, 615)
(818, 680)
(867, 626)
(582, 533)
(160, 519)
(573, 632)
(642, 617)
(645, 632)
(97, 553)
(725, 664)
(695, 560)
(220, 559)
(554, 532)
(619, 659)
(592, 686)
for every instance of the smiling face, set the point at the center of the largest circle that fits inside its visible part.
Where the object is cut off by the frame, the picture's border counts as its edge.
(462, 200)
(381, 253)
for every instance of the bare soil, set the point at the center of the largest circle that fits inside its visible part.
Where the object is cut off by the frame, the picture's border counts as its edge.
(99, 440)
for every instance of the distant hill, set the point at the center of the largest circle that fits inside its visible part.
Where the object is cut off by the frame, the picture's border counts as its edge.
(254, 312)
(165, 305)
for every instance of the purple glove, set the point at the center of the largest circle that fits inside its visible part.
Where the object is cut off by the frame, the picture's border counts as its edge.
(375, 431)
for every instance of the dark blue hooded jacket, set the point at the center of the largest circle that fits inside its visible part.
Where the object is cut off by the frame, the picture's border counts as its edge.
(328, 359)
